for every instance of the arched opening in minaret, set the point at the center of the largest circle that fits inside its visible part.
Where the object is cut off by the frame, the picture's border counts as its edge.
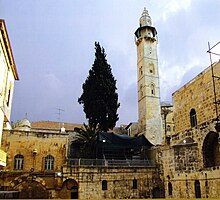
(152, 88)
(151, 68)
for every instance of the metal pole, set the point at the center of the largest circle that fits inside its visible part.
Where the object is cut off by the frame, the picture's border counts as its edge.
(213, 81)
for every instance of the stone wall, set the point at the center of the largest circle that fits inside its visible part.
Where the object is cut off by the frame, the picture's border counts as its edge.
(191, 161)
(122, 182)
(87, 183)
(26, 142)
(197, 94)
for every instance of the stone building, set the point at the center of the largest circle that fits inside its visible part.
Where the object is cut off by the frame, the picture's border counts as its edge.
(192, 158)
(34, 158)
(8, 74)
(38, 166)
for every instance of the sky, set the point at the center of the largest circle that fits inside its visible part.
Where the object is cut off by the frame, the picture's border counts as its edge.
(53, 47)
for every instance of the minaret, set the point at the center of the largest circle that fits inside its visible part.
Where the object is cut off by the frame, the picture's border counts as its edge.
(149, 114)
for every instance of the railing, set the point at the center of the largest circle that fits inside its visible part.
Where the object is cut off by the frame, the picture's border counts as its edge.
(110, 162)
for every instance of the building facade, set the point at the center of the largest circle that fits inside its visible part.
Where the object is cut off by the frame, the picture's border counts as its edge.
(191, 161)
(8, 75)
(149, 114)
(39, 166)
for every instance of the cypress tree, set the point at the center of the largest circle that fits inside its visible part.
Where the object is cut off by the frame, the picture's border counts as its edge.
(99, 97)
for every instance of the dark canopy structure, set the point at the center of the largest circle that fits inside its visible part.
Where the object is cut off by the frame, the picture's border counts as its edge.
(115, 146)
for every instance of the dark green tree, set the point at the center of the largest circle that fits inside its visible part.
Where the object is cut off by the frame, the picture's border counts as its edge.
(99, 97)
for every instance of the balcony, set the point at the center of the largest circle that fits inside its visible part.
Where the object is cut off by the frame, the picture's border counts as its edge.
(3, 157)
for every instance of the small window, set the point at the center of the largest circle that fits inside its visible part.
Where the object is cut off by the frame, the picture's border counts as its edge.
(18, 162)
(193, 119)
(49, 163)
(9, 95)
(151, 68)
(141, 91)
(134, 183)
(104, 185)
(141, 70)
(168, 128)
(152, 89)
(170, 188)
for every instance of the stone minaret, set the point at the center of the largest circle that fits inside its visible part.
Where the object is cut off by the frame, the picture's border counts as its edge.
(149, 114)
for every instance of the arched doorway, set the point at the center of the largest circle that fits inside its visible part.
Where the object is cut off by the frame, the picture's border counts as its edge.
(197, 189)
(211, 150)
(69, 189)
(31, 190)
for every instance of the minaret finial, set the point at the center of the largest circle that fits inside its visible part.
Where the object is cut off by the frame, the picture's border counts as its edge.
(145, 19)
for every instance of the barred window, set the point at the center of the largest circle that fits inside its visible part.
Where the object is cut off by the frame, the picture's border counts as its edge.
(18, 162)
(49, 163)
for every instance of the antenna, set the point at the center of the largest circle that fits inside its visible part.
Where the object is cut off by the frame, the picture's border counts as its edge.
(59, 113)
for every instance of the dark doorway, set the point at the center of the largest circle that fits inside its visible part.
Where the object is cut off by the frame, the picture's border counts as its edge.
(74, 195)
(210, 150)
(170, 189)
(69, 189)
(197, 189)
(156, 192)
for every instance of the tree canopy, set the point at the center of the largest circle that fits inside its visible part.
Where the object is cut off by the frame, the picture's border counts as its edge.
(99, 97)
(86, 137)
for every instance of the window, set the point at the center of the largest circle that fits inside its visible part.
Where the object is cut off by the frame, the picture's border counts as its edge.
(197, 189)
(141, 91)
(168, 128)
(141, 70)
(104, 185)
(151, 68)
(170, 188)
(49, 162)
(134, 183)
(152, 89)
(9, 93)
(18, 162)
(193, 120)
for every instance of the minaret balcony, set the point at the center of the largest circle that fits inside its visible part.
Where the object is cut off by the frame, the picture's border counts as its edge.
(153, 39)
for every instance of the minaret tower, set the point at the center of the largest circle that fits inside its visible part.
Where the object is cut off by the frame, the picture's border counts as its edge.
(149, 114)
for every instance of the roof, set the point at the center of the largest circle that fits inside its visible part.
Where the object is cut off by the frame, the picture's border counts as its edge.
(50, 125)
(8, 48)
(109, 139)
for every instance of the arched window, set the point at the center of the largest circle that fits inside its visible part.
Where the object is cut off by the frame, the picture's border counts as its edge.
(49, 163)
(134, 183)
(104, 185)
(152, 88)
(141, 70)
(18, 162)
(193, 119)
(151, 68)
(170, 188)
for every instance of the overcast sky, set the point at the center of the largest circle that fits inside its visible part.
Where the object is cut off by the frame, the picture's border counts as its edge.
(53, 46)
